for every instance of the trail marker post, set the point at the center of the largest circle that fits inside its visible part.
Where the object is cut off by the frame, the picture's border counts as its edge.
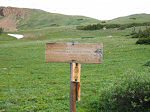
(75, 54)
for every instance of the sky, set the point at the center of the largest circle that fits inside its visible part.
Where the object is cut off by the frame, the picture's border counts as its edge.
(99, 9)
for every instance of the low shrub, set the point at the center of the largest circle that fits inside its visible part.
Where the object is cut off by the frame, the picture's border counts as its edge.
(133, 18)
(131, 94)
(103, 22)
(87, 37)
(98, 26)
(1, 30)
(147, 64)
(108, 26)
(142, 34)
(122, 28)
(143, 41)
(54, 24)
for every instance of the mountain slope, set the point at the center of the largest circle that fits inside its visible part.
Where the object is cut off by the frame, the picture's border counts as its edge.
(12, 19)
(136, 18)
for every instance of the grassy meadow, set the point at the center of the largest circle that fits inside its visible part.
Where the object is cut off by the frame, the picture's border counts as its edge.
(136, 18)
(29, 84)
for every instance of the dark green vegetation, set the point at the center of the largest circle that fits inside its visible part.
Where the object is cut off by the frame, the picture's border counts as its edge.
(130, 94)
(108, 26)
(1, 31)
(143, 41)
(27, 83)
(147, 64)
(144, 36)
(120, 23)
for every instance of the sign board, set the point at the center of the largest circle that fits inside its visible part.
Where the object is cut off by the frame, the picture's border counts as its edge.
(74, 52)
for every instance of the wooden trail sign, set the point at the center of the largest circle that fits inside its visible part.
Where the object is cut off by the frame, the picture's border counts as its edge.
(75, 54)
(79, 53)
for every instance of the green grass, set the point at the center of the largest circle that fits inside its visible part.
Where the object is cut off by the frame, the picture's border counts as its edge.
(4, 38)
(136, 18)
(41, 19)
(27, 83)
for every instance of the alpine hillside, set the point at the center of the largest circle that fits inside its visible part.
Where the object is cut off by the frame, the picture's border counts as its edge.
(13, 19)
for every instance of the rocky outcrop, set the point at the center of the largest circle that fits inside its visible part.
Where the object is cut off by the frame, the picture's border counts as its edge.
(18, 12)
(11, 16)
(1, 11)
(8, 24)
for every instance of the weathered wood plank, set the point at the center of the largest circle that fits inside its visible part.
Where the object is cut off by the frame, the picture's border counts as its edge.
(74, 52)
(73, 89)
(75, 77)
(76, 72)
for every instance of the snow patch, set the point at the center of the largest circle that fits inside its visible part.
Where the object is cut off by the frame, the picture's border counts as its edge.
(110, 36)
(18, 36)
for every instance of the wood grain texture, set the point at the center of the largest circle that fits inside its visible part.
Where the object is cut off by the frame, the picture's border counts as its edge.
(74, 52)
(73, 89)
(75, 77)
(73, 96)
(76, 71)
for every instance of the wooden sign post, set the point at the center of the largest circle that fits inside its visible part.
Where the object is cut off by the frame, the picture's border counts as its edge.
(75, 54)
